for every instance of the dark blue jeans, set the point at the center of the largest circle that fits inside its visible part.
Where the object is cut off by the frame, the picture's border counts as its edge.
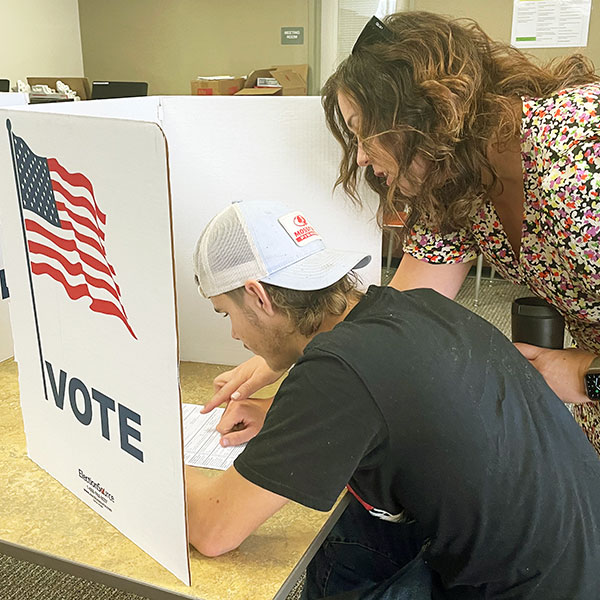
(369, 559)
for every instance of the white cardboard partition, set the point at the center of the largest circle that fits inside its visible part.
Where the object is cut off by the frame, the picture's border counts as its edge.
(218, 150)
(13, 99)
(143, 108)
(94, 318)
(6, 344)
(230, 148)
(236, 148)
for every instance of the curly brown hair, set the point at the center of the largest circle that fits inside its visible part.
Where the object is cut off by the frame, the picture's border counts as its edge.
(442, 90)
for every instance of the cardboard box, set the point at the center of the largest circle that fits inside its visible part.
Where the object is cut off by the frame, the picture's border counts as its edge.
(263, 91)
(250, 88)
(217, 86)
(291, 78)
(80, 85)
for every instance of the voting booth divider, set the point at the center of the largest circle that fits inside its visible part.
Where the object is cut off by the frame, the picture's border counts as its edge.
(6, 345)
(101, 204)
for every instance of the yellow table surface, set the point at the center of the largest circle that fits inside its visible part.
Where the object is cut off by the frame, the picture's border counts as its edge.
(38, 513)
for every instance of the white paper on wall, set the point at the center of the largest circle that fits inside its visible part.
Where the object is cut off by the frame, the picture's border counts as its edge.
(94, 318)
(550, 23)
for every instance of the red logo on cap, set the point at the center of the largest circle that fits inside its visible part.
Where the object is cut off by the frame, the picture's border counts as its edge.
(299, 220)
(298, 228)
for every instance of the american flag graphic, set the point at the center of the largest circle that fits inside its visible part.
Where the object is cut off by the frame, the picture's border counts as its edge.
(65, 231)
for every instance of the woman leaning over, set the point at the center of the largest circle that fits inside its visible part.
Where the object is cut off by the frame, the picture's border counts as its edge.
(489, 154)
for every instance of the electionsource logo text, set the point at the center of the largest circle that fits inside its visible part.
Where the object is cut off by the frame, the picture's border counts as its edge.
(96, 486)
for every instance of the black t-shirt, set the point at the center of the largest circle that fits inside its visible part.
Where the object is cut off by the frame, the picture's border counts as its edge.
(428, 411)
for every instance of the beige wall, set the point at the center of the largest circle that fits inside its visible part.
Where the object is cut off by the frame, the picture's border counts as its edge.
(168, 43)
(40, 38)
(495, 17)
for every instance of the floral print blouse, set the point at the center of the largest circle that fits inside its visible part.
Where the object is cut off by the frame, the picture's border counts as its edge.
(560, 245)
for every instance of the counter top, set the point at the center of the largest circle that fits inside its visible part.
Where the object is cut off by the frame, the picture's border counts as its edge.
(39, 515)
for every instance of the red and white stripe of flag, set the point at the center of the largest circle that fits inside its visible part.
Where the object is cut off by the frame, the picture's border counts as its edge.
(74, 254)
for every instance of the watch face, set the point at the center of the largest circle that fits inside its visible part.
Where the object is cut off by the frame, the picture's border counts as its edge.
(592, 386)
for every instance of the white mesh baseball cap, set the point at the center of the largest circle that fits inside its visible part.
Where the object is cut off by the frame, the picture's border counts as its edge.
(269, 242)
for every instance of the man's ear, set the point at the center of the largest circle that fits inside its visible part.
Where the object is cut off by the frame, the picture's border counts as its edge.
(258, 297)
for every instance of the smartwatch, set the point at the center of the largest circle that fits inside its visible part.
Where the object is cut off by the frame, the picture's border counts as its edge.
(591, 380)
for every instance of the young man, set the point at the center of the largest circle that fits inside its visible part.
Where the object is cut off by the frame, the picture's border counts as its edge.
(471, 478)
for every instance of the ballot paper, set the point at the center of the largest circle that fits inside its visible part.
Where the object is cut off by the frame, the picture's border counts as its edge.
(201, 446)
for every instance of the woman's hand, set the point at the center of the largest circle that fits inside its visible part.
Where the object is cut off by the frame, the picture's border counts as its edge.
(243, 381)
(563, 370)
(242, 420)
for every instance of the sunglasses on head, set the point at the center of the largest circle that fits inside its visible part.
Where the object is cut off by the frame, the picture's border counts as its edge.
(373, 32)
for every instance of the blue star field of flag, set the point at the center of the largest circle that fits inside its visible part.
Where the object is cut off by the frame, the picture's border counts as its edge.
(35, 184)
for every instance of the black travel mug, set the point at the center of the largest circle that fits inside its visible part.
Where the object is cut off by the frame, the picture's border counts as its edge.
(536, 322)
